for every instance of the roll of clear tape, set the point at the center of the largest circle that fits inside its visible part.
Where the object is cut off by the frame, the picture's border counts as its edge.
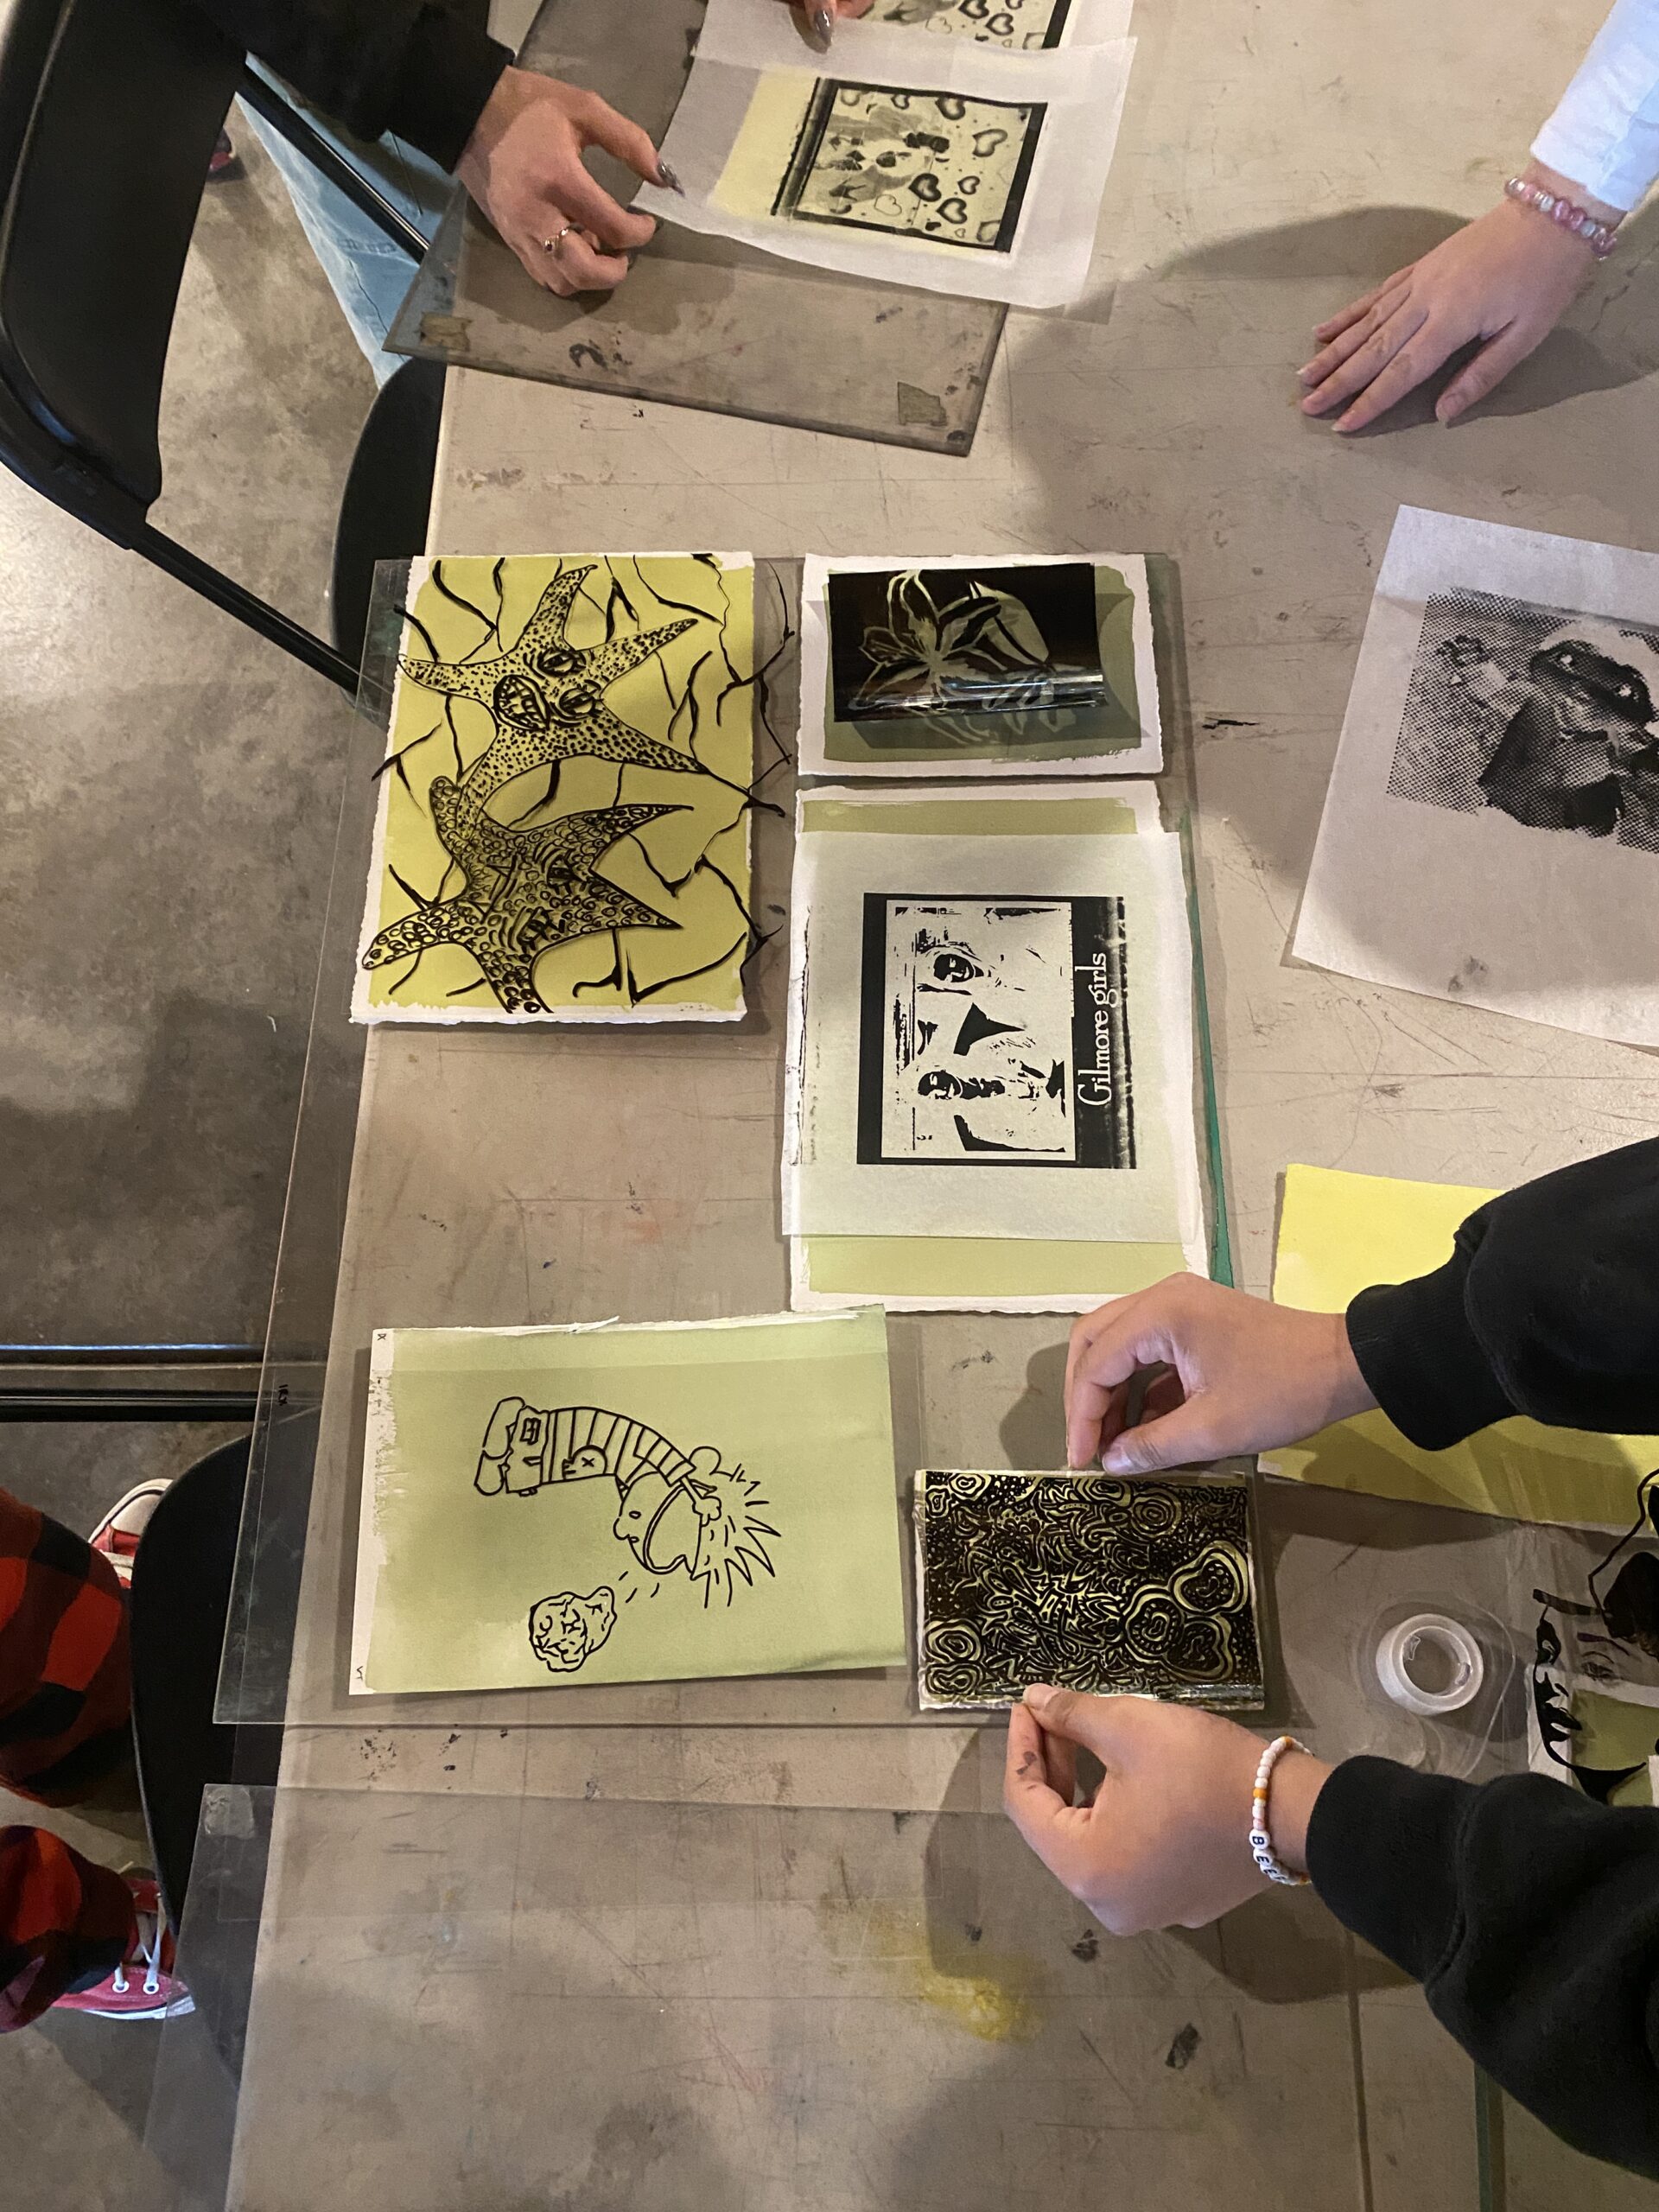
(1449, 1648)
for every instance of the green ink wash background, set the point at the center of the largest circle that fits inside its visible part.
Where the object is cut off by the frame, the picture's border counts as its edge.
(802, 1405)
(1074, 731)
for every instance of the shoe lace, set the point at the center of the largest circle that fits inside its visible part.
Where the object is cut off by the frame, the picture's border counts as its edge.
(148, 1950)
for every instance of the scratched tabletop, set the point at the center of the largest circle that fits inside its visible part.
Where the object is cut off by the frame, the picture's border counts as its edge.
(771, 1945)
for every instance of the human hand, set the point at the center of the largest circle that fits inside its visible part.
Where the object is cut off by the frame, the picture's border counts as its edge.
(522, 165)
(1247, 1375)
(1164, 1841)
(1506, 278)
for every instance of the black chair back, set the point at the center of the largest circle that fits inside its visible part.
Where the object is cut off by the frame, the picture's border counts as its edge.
(109, 110)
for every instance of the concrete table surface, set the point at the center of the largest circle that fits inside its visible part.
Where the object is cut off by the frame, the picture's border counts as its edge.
(1274, 161)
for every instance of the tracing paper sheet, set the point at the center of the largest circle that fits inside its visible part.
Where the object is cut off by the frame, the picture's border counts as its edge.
(1128, 740)
(946, 162)
(1492, 830)
(990, 1019)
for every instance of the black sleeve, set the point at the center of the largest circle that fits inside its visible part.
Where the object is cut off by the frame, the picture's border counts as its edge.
(417, 68)
(1531, 1917)
(1548, 1306)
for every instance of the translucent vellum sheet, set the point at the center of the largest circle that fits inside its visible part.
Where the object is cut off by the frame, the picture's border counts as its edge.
(991, 1027)
(944, 163)
(701, 321)
(678, 2005)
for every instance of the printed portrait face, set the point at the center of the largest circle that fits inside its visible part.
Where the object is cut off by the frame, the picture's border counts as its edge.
(994, 1031)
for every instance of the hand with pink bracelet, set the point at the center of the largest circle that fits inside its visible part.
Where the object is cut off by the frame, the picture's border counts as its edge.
(1504, 280)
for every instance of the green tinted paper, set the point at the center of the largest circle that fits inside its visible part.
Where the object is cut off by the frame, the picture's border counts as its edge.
(611, 1504)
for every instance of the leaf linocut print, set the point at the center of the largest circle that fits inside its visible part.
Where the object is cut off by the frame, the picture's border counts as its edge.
(657, 1503)
(1085, 1580)
(562, 831)
(1024, 666)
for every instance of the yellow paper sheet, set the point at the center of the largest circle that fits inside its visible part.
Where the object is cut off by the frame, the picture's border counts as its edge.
(563, 832)
(1339, 1233)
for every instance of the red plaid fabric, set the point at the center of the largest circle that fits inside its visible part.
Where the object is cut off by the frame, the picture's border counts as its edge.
(63, 1727)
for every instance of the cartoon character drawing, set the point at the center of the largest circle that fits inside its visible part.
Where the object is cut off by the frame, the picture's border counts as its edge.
(567, 1628)
(675, 1511)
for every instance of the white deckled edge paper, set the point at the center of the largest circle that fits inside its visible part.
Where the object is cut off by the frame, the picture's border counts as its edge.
(371, 1014)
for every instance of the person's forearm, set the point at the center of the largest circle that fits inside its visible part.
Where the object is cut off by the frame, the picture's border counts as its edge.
(1604, 136)
(416, 68)
(1548, 1306)
(1530, 1916)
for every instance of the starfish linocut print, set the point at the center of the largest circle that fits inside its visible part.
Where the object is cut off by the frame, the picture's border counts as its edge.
(563, 827)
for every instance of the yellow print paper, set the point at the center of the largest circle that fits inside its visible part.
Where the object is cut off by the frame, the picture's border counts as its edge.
(562, 831)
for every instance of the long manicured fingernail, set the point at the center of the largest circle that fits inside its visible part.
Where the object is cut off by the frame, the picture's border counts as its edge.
(667, 179)
(823, 23)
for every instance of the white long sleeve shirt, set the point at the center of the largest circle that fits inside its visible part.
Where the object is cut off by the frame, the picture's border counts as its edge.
(1605, 135)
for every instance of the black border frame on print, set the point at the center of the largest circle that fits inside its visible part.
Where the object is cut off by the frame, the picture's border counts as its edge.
(1076, 682)
(1104, 1119)
(821, 107)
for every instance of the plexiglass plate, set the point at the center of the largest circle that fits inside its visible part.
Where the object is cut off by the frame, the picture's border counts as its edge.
(701, 321)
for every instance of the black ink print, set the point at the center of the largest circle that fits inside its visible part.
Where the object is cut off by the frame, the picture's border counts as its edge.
(567, 1629)
(964, 641)
(676, 1512)
(996, 1032)
(1546, 716)
(1087, 1581)
(529, 886)
(1026, 25)
(553, 693)
(525, 891)
(1605, 1634)
(859, 163)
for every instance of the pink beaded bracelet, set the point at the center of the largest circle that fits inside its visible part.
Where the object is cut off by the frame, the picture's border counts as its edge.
(1600, 238)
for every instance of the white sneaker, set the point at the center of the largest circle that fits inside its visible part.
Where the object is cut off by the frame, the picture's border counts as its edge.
(117, 1534)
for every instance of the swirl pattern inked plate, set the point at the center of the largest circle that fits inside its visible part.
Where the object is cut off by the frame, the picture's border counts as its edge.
(1086, 1580)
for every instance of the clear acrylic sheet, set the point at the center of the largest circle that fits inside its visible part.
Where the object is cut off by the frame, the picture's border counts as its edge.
(733, 148)
(669, 2006)
(701, 321)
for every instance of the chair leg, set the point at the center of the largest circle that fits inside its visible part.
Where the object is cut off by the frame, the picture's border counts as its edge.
(235, 598)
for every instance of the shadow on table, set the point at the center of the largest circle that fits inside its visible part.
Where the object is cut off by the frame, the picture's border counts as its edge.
(1608, 339)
